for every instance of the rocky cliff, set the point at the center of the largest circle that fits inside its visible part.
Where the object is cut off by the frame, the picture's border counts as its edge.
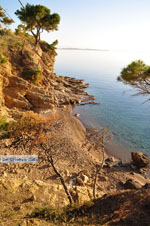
(27, 81)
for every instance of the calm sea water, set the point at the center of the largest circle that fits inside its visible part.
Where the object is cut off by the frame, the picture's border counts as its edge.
(126, 115)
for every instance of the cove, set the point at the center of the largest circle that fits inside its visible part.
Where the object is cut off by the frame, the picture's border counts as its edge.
(126, 115)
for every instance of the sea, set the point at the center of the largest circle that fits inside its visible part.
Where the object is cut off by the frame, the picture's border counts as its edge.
(122, 112)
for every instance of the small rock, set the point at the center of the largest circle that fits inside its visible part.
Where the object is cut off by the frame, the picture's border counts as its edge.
(31, 199)
(77, 115)
(85, 172)
(5, 174)
(102, 178)
(110, 159)
(133, 167)
(143, 170)
(84, 178)
(16, 208)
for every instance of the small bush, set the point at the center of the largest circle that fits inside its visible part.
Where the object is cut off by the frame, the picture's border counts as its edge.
(3, 123)
(20, 44)
(20, 30)
(3, 60)
(32, 75)
(31, 122)
(5, 31)
(71, 214)
(49, 47)
(2, 32)
(50, 214)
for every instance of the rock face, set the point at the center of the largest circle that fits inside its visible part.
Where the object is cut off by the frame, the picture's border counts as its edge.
(139, 159)
(23, 95)
(18, 90)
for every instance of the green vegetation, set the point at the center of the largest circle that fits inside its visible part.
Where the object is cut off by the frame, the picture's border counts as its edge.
(32, 75)
(3, 60)
(28, 123)
(4, 20)
(48, 47)
(71, 214)
(3, 123)
(137, 74)
(38, 18)
(20, 30)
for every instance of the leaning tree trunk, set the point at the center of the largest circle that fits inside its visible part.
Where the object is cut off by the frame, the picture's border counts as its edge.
(61, 179)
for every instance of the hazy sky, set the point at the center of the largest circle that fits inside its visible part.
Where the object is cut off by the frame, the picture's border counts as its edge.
(104, 24)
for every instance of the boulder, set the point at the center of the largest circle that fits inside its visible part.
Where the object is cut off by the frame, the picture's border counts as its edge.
(110, 162)
(81, 194)
(77, 115)
(132, 184)
(82, 178)
(139, 159)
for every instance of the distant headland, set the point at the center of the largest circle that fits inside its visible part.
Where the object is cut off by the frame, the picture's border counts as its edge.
(87, 49)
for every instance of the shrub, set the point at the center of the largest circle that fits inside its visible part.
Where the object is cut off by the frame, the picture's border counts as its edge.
(31, 122)
(32, 75)
(50, 214)
(2, 32)
(3, 123)
(20, 44)
(3, 60)
(5, 31)
(20, 30)
(76, 213)
(48, 47)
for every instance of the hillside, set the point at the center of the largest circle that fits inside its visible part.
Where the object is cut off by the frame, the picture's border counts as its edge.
(27, 78)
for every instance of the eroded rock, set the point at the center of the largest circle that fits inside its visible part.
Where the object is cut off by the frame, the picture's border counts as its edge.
(139, 159)
(132, 184)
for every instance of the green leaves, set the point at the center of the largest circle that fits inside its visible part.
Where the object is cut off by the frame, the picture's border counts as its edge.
(134, 71)
(137, 74)
(4, 20)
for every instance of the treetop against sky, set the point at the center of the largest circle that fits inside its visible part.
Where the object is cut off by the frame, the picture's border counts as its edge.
(109, 24)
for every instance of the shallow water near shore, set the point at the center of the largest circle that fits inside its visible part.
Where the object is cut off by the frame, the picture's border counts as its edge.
(126, 115)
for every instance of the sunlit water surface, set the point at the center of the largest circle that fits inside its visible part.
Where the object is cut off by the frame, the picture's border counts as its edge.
(125, 114)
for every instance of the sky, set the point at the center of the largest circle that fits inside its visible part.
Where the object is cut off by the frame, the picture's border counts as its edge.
(101, 24)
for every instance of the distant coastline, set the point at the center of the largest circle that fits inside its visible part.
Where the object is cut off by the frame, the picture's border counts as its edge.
(83, 49)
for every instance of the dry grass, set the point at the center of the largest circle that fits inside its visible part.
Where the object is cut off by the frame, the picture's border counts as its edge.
(31, 122)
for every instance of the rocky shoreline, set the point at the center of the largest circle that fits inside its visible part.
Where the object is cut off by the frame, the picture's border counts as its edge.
(23, 186)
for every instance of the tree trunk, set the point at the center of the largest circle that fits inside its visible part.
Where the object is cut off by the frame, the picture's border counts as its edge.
(61, 179)
(98, 169)
(36, 36)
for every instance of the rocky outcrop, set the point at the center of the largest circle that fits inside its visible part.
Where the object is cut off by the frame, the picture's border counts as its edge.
(24, 95)
(27, 81)
(132, 184)
(41, 192)
(139, 159)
